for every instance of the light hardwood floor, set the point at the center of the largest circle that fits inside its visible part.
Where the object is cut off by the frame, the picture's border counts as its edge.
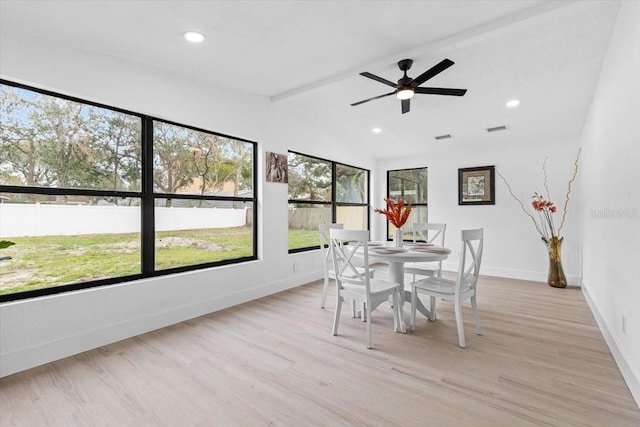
(542, 361)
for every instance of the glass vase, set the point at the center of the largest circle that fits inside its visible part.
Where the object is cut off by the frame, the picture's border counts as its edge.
(397, 237)
(556, 276)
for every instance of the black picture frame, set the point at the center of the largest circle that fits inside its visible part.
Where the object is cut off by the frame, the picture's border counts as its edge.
(476, 186)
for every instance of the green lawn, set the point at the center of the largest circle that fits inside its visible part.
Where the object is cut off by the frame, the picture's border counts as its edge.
(41, 262)
(303, 239)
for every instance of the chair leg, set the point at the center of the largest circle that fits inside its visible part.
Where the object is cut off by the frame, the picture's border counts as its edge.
(432, 309)
(414, 303)
(368, 326)
(325, 287)
(336, 317)
(476, 315)
(458, 311)
(396, 319)
(354, 312)
(363, 313)
(400, 312)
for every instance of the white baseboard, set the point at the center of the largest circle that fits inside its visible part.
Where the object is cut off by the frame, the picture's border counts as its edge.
(509, 273)
(632, 381)
(27, 358)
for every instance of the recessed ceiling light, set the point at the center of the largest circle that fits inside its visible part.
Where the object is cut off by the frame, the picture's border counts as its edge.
(193, 36)
(512, 103)
(376, 130)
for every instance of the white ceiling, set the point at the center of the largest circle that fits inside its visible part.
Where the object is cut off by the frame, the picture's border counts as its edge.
(306, 55)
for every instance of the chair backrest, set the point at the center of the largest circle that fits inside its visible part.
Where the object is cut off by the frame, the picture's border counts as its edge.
(421, 231)
(325, 243)
(470, 258)
(347, 249)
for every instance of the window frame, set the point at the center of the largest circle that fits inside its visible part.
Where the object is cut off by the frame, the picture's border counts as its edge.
(147, 198)
(389, 238)
(333, 203)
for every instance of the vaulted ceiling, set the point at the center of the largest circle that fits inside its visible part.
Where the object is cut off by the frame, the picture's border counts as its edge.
(306, 56)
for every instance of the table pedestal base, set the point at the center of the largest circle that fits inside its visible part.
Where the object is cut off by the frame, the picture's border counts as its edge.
(396, 274)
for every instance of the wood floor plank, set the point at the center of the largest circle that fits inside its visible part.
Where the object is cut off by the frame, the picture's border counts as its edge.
(541, 361)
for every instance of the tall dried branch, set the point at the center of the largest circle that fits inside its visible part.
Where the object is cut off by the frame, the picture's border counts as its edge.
(524, 209)
(544, 172)
(566, 200)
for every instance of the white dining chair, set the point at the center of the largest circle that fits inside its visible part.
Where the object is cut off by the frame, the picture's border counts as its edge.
(463, 288)
(327, 264)
(431, 233)
(347, 247)
(327, 261)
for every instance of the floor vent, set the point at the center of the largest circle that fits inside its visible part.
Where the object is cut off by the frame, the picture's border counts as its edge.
(497, 128)
(440, 137)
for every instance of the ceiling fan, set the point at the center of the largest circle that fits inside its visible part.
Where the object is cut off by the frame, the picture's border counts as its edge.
(407, 87)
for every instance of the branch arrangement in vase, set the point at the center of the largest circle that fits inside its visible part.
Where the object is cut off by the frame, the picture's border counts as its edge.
(545, 226)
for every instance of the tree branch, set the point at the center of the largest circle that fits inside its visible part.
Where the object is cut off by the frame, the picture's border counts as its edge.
(566, 201)
(535, 223)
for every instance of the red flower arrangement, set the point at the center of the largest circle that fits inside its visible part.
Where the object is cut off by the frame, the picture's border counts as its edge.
(545, 208)
(395, 213)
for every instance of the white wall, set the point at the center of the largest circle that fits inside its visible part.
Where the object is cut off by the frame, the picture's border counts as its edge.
(512, 246)
(611, 140)
(37, 331)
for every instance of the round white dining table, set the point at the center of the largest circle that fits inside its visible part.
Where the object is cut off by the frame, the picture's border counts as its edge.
(396, 263)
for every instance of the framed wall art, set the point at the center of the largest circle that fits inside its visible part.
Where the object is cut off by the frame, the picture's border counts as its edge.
(276, 167)
(476, 186)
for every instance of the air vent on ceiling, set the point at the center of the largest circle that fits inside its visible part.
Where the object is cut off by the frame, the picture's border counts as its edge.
(497, 128)
(440, 137)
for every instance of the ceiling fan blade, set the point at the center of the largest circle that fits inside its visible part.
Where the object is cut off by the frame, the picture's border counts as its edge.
(440, 91)
(431, 72)
(405, 105)
(379, 79)
(371, 99)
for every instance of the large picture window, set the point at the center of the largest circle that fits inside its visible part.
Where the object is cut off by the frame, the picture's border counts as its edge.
(410, 185)
(321, 192)
(93, 195)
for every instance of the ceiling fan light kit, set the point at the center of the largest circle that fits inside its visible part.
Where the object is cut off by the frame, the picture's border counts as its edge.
(407, 87)
(193, 36)
(405, 93)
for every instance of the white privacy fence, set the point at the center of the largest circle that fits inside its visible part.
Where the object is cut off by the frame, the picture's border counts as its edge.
(73, 220)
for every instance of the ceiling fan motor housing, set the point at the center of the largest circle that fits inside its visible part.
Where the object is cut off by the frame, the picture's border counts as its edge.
(405, 64)
(404, 84)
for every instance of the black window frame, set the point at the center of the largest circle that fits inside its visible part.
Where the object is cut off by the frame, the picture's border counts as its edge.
(147, 198)
(333, 203)
(390, 238)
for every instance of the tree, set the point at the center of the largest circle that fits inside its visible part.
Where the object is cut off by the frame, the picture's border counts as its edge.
(350, 184)
(19, 148)
(53, 142)
(242, 154)
(119, 150)
(65, 142)
(309, 178)
(172, 168)
(48, 141)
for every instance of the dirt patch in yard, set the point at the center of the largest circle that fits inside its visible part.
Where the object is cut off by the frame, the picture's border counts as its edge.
(168, 242)
(16, 278)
